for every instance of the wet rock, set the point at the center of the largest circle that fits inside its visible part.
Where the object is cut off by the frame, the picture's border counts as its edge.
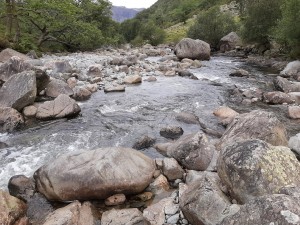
(19, 91)
(277, 97)
(239, 73)
(81, 94)
(117, 199)
(74, 213)
(7, 53)
(271, 209)
(192, 151)
(171, 169)
(95, 174)
(29, 111)
(62, 67)
(254, 125)
(3, 145)
(294, 143)
(10, 119)
(144, 142)
(255, 168)
(192, 49)
(294, 112)
(187, 118)
(292, 69)
(21, 187)
(155, 213)
(282, 84)
(13, 66)
(151, 79)
(116, 88)
(60, 107)
(135, 79)
(204, 202)
(11, 209)
(123, 216)
(229, 42)
(72, 81)
(57, 87)
(171, 132)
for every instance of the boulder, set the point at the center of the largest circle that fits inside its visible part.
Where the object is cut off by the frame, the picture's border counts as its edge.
(29, 111)
(21, 187)
(123, 216)
(239, 73)
(10, 119)
(19, 91)
(60, 107)
(57, 87)
(171, 169)
(192, 151)
(271, 209)
(282, 84)
(229, 42)
(254, 125)
(6, 54)
(72, 214)
(95, 174)
(81, 94)
(192, 49)
(144, 142)
(171, 132)
(11, 209)
(135, 79)
(187, 118)
(277, 97)
(13, 66)
(292, 69)
(204, 202)
(255, 168)
(294, 112)
(155, 213)
(115, 88)
(294, 143)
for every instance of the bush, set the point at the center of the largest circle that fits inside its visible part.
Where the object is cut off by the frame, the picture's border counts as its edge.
(211, 26)
(152, 34)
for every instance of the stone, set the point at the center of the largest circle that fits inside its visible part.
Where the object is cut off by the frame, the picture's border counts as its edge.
(159, 185)
(225, 113)
(255, 168)
(192, 49)
(92, 87)
(282, 84)
(295, 96)
(117, 199)
(294, 143)
(171, 169)
(151, 79)
(134, 79)
(229, 42)
(185, 73)
(170, 73)
(42, 79)
(123, 216)
(173, 219)
(270, 209)
(11, 209)
(257, 124)
(95, 174)
(144, 142)
(3, 145)
(32, 54)
(239, 73)
(62, 67)
(72, 81)
(19, 91)
(81, 94)
(187, 118)
(294, 112)
(94, 71)
(7, 53)
(171, 132)
(21, 187)
(72, 214)
(10, 119)
(292, 69)
(115, 88)
(277, 97)
(155, 213)
(29, 111)
(57, 87)
(96, 80)
(204, 202)
(144, 196)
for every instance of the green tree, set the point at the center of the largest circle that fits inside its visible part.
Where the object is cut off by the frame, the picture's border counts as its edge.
(152, 34)
(211, 26)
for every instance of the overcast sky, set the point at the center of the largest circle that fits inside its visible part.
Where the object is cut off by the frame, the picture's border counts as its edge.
(133, 3)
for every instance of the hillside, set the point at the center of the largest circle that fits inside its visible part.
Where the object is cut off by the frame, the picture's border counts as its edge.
(121, 13)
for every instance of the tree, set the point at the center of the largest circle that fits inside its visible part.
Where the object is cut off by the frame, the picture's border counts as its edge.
(211, 26)
(152, 34)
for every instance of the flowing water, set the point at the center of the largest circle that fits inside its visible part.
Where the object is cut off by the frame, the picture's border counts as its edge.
(119, 119)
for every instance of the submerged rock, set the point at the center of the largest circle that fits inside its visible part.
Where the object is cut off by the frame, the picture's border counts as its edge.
(192, 49)
(95, 174)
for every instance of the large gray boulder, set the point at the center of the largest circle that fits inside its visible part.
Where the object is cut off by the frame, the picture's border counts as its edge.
(10, 119)
(254, 125)
(123, 216)
(292, 69)
(96, 174)
(229, 42)
(57, 87)
(204, 202)
(19, 91)
(255, 168)
(60, 107)
(192, 49)
(6, 54)
(271, 210)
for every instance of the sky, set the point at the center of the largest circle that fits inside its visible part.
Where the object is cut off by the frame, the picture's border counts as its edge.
(133, 3)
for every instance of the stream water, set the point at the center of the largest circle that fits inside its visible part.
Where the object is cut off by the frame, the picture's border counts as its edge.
(119, 119)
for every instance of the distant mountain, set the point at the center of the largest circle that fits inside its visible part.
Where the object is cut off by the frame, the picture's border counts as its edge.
(121, 13)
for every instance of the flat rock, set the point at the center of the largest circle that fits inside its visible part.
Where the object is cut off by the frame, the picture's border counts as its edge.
(117, 88)
(123, 216)
(10, 119)
(134, 79)
(95, 174)
(239, 73)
